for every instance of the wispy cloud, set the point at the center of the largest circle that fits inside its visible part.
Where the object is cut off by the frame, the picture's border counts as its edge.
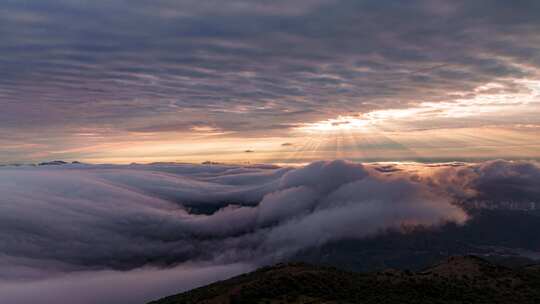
(251, 66)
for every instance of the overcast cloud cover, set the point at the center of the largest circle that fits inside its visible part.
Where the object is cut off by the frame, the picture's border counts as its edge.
(88, 228)
(75, 73)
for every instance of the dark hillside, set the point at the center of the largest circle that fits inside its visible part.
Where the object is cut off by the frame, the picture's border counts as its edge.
(466, 279)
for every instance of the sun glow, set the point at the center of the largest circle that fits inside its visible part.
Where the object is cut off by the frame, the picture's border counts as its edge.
(341, 123)
(485, 104)
(480, 124)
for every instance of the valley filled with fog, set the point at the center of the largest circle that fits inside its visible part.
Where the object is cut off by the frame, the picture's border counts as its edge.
(137, 232)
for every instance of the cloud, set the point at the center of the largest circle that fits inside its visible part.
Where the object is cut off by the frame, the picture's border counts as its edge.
(76, 223)
(496, 180)
(137, 286)
(249, 66)
(124, 217)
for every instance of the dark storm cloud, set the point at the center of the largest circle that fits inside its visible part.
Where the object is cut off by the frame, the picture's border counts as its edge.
(85, 63)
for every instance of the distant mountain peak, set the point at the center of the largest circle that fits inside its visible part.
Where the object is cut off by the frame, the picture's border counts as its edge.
(53, 163)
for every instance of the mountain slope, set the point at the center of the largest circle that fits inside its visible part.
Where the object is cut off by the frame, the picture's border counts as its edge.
(458, 280)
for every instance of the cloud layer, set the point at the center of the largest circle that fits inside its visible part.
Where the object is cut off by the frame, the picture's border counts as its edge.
(63, 220)
(137, 286)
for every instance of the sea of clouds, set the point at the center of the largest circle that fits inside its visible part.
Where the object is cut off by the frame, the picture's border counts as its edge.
(131, 233)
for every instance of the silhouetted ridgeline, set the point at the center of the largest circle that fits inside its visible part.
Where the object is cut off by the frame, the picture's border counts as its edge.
(465, 279)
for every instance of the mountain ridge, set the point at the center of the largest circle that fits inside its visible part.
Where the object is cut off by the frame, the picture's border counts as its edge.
(463, 279)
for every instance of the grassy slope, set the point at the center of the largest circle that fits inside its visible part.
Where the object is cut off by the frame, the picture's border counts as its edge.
(458, 280)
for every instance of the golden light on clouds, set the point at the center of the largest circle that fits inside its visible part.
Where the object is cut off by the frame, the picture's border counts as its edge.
(341, 123)
(491, 121)
(491, 101)
(477, 125)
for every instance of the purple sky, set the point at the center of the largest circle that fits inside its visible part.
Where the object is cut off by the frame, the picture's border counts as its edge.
(122, 81)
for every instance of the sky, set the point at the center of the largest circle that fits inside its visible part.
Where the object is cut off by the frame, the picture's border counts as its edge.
(284, 81)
